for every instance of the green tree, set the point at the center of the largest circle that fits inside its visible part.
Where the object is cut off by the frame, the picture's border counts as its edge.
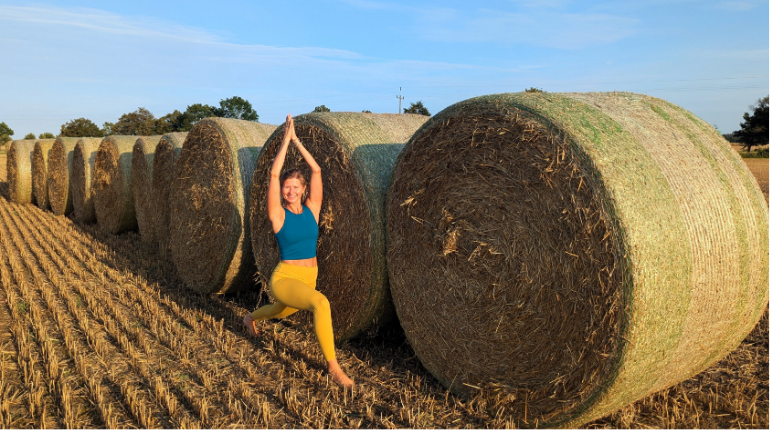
(107, 128)
(322, 108)
(754, 127)
(46, 135)
(169, 123)
(29, 136)
(238, 108)
(417, 108)
(81, 127)
(5, 133)
(366, 111)
(140, 122)
(534, 90)
(195, 113)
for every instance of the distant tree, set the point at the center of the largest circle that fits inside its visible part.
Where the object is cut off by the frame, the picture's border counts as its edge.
(754, 127)
(195, 113)
(46, 135)
(169, 123)
(322, 108)
(417, 108)
(140, 122)
(80, 127)
(29, 136)
(5, 133)
(366, 111)
(533, 90)
(107, 128)
(238, 108)
(731, 137)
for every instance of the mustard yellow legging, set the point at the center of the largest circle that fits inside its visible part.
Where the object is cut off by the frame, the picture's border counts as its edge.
(293, 288)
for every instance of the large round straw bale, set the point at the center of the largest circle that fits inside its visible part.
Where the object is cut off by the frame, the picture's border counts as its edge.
(19, 171)
(209, 204)
(83, 160)
(111, 187)
(356, 152)
(575, 251)
(164, 165)
(40, 153)
(59, 173)
(142, 161)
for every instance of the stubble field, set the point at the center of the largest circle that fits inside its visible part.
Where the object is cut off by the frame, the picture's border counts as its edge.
(96, 331)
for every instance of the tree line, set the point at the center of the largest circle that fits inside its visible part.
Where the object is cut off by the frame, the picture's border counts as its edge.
(754, 128)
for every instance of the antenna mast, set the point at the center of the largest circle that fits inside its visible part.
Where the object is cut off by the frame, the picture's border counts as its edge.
(399, 99)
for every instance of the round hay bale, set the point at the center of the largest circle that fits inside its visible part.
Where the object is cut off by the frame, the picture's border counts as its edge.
(19, 171)
(356, 152)
(111, 187)
(83, 160)
(141, 184)
(209, 204)
(164, 165)
(40, 153)
(572, 253)
(59, 173)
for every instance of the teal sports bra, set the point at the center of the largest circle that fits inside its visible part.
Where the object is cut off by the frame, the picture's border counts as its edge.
(298, 237)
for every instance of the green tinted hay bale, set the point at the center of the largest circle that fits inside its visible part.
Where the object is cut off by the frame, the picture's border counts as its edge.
(59, 172)
(209, 204)
(572, 253)
(83, 160)
(356, 152)
(164, 165)
(40, 153)
(142, 161)
(19, 171)
(112, 185)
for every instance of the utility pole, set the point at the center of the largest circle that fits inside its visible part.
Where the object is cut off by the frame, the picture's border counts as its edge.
(399, 99)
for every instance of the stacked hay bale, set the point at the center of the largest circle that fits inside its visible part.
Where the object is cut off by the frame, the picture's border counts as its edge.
(111, 187)
(164, 166)
(19, 171)
(59, 173)
(40, 153)
(356, 152)
(142, 159)
(576, 251)
(209, 204)
(83, 160)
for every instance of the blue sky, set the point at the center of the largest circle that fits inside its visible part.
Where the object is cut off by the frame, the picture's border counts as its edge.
(100, 59)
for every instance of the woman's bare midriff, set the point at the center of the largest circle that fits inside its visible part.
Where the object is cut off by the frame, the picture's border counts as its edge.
(307, 262)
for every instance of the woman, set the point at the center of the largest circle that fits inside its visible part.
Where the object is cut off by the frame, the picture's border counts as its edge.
(296, 229)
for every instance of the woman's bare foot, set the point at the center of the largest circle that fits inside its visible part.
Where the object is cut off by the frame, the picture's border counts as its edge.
(251, 326)
(338, 376)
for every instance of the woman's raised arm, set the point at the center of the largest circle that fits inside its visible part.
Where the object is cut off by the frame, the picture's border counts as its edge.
(274, 208)
(315, 196)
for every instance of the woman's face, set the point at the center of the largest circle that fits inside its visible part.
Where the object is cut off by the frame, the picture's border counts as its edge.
(292, 190)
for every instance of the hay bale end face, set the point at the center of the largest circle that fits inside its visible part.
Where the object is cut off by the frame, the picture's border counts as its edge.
(580, 250)
(209, 204)
(142, 161)
(19, 171)
(59, 173)
(83, 160)
(40, 154)
(356, 152)
(112, 186)
(164, 165)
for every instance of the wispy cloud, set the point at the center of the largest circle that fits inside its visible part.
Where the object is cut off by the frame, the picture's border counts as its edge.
(737, 5)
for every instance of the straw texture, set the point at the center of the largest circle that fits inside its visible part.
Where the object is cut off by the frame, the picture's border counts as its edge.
(142, 161)
(19, 171)
(356, 152)
(164, 165)
(209, 203)
(40, 154)
(112, 186)
(569, 254)
(59, 172)
(83, 160)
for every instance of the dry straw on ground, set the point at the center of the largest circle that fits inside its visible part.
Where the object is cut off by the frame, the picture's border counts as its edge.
(142, 162)
(356, 152)
(59, 173)
(209, 203)
(83, 160)
(19, 171)
(40, 154)
(164, 165)
(567, 254)
(112, 185)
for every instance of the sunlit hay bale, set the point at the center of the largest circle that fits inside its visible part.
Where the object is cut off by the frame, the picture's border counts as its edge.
(356, 152)
(579, 251)
(19, 171)
(142, 161)
(83, 159)
(59, 173)
(209, 204)
(40, 171)
(164, 165)
(111, 187)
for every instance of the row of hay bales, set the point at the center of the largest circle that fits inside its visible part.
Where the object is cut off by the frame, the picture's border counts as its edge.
(565, 253)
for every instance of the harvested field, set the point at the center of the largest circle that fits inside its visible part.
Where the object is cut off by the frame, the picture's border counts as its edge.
(128, 345)
(759, 167)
